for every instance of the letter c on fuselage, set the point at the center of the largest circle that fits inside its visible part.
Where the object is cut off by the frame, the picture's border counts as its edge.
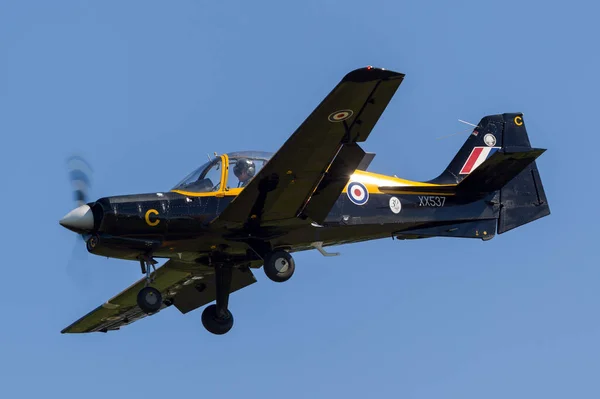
(147, 217)
(518, 120)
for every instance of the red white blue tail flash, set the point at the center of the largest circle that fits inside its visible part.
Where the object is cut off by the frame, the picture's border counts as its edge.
(477, 157)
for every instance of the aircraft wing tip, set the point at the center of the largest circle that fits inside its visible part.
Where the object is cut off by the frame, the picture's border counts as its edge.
(369, 73)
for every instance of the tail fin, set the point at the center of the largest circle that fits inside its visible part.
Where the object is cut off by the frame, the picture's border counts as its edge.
(484, 141)
(501, 146)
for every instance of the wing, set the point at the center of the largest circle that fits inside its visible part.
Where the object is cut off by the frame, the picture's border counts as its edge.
(283, 187)
(183, 285)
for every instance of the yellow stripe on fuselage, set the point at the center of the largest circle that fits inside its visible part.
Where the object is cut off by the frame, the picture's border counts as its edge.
(194, 194)
(371, 180)
(374, 180)
(231, 192)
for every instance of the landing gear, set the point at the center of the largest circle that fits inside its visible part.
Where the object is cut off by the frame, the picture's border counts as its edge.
(217, 319)
(214, 323)
(279, 266)
(149, 299)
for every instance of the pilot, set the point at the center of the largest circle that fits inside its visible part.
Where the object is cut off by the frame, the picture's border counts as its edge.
(244, 170)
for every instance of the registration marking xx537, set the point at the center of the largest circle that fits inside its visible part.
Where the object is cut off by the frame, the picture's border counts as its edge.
(432, 201)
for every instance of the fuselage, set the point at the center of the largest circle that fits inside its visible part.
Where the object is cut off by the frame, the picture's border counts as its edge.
(178, 224)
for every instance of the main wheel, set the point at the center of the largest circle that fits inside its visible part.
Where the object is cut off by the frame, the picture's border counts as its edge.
(215, 324)
(149, 299)
(279, 266)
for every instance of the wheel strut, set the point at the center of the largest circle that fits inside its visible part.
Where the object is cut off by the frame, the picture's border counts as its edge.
(223, 286)
(217, 318)
(147, 266)
(149, 299)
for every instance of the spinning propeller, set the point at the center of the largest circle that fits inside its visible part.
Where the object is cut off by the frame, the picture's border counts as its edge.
(80, 172)
(77, 220)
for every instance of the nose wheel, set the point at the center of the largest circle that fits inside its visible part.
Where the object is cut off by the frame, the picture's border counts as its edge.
(216, 323)
(279, 266)
(217, 318)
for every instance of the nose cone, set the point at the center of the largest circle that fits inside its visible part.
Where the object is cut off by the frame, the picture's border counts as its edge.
(79, 219)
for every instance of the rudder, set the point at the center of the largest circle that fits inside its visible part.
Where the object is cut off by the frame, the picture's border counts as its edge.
(523, 199)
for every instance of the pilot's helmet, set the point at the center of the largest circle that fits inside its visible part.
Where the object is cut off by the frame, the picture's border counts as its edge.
(244, 165)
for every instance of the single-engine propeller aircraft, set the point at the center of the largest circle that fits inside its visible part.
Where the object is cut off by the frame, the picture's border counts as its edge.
(243, 210)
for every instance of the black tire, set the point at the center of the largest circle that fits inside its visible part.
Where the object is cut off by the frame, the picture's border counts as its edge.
(149, 299)
(215, 324)
(279, 266)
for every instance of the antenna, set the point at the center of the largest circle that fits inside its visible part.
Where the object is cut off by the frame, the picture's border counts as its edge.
(208, 155)
(467, 123)
(461, 132)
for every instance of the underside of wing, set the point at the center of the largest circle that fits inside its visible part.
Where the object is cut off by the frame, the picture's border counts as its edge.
(183, 285)
(283, 187)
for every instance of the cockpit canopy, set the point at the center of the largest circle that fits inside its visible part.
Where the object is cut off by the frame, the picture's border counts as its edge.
(240, 168)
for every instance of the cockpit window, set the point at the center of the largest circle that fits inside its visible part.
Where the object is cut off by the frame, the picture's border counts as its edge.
(243, 166)
(206, 178)
(242, 169)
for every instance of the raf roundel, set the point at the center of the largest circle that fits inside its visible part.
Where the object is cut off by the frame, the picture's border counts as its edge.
(340, 115)
(358, 193)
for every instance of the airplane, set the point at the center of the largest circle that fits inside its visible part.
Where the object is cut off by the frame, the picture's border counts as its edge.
(241, 211)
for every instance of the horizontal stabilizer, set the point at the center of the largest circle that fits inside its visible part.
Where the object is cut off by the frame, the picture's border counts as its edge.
(499, 169)
(491, 175)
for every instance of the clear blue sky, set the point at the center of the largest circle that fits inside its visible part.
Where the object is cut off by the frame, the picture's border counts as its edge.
(144, 89)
